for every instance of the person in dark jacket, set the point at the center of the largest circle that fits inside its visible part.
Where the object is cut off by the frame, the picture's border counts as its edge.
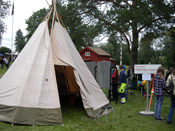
(128, 82)
(140, 81)
(2, 62)
(128, 72)
(122, 84)
(159, 90)
(115, 77)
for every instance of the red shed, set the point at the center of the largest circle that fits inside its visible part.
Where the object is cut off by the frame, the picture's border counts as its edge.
(95, 54)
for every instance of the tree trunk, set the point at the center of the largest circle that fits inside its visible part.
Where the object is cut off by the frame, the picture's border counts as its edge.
(134, 52)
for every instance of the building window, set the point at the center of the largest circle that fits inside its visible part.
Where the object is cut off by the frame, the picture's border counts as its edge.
(87, 53)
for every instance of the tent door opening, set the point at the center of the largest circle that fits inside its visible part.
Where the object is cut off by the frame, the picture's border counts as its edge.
(66, 82)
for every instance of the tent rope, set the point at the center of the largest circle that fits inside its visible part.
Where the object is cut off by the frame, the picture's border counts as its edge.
(53, 18)
(47, 14)
(55, 14)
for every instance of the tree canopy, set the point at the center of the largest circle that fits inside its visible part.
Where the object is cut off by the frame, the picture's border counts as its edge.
(19, 41)
(4, 10)
(81, 34)
(131, 20)
(33, 21)
(113, 48)
(4, 50)
(168, 48)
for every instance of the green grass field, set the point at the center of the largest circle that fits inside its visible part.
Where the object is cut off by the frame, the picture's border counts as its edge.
(126, 118)
(2, 71)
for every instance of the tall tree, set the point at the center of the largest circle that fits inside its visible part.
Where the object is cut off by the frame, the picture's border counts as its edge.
(113, 48)
(129, 19)
(4, 10)
(145, 53)
(81, 34)
(4, 50)
(168, 49)
(33, 21)
(19, 41)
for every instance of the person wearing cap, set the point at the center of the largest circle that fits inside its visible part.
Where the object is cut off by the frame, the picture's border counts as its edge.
(124, 67)
(122, 84)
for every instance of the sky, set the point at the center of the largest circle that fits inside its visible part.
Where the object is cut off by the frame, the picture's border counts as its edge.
(23, 9)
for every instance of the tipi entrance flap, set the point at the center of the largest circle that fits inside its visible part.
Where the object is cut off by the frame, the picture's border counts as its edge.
(64, 49)
(66, 80)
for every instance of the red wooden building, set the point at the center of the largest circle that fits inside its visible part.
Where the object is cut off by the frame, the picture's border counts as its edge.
(95, 54)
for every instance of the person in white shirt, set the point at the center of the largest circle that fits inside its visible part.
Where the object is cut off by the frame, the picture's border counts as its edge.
(117, 66)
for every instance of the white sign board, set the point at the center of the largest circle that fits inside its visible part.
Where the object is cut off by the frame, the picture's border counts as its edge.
(146, 77)
(146, 68)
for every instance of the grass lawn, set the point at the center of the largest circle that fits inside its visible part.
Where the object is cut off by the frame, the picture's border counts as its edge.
(2, 71)
(126, 118)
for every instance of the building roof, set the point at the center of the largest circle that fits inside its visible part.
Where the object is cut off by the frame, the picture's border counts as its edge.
(99, 51)
(111, 59)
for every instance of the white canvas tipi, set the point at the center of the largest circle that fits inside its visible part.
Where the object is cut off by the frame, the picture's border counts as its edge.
(29, 90)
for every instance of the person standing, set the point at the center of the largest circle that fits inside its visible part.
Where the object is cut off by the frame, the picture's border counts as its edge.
(159, 90)
(2, 62)
(171, 69)
(171, 110)
(124, 67)
(167, 74)
(128, 82)
(7, 62)
(140, 81)
(117, 66)
(122, 84)
(115, 77)
(128, 74)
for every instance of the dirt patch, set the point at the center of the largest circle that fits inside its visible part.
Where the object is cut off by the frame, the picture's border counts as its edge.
(1, 75)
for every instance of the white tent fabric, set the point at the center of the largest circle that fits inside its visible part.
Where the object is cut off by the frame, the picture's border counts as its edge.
(28, 90)
(30, 81)
(64, 51)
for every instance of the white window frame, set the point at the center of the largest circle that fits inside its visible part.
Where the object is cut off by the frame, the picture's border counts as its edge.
(87, 53)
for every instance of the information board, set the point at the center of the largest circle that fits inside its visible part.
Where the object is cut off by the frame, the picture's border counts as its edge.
(146, 68)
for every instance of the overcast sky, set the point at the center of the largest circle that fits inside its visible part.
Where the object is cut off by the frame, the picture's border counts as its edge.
(23, 9)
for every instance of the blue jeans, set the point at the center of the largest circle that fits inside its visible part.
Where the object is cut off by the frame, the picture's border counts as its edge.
(132, 85)
(158, 106)
(126, 97)
(171, 111)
